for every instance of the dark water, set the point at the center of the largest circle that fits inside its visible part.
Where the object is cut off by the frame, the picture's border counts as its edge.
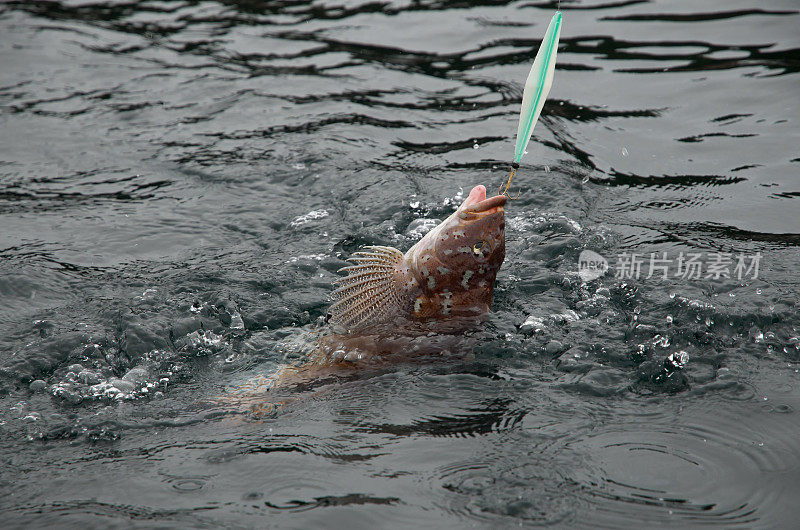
(179, 182)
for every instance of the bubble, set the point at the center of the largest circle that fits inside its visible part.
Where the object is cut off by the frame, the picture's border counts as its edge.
(122, 385)
(476, 146)
(419, 227)
(677, 360)
(236, 321)
(624, 151)
(88, 377)
(532, 324)
(188, 484)
(669, 319)
(553, 347)
(659, 340)
(135, 376)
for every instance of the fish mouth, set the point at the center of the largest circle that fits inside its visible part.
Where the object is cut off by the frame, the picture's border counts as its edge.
(478, 203)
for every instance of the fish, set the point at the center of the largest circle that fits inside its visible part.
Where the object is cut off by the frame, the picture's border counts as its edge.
(393, 306)
(446, 279)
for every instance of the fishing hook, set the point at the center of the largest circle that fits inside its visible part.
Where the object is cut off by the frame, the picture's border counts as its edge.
(501, 191)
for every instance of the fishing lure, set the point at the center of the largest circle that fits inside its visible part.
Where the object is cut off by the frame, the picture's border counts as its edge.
(537, 86)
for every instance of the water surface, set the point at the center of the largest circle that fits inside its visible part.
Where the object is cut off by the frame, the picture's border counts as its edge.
(180, 181)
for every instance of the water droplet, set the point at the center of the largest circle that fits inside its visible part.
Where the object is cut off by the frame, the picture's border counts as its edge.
(676, 361)
(758, 291)
(624, 151)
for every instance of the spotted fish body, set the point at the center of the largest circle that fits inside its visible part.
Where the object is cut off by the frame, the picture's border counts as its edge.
(445, 281)
(394, 307)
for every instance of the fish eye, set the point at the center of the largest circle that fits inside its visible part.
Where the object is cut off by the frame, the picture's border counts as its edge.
(478, 248)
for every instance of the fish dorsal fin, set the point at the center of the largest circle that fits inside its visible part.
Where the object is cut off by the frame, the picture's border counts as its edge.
(368, 293)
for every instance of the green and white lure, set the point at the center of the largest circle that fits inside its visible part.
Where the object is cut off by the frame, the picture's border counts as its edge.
(537, 87)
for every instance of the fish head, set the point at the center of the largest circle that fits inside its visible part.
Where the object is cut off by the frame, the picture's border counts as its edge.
(456, 263)
(476, 233)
